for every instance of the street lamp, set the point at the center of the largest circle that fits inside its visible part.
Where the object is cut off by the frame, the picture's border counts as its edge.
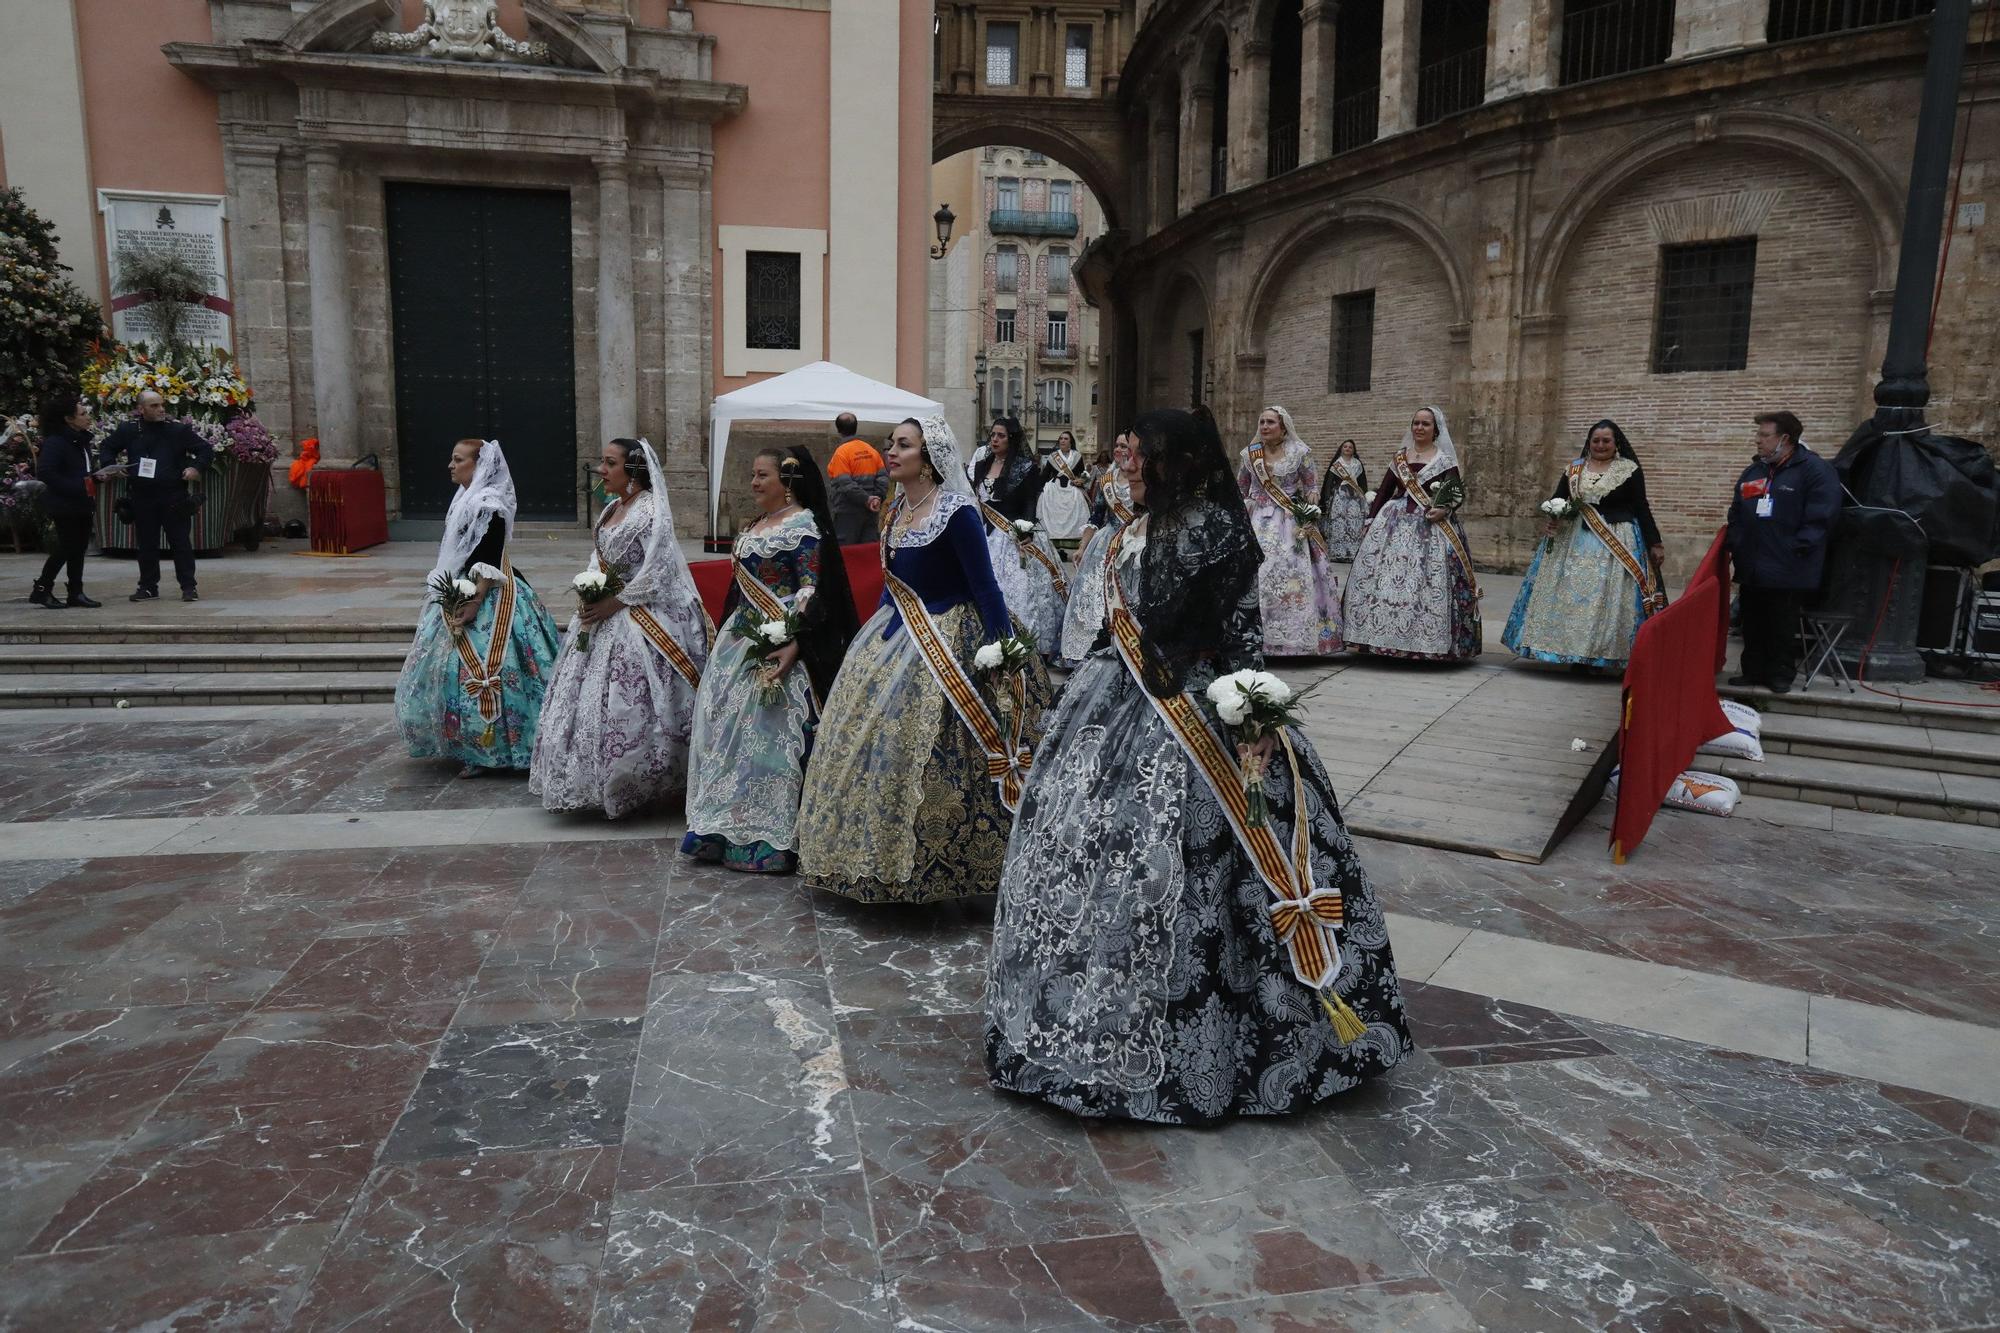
(942, 219)
(979, 385)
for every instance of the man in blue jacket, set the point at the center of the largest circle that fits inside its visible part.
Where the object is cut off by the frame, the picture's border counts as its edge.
(161, 458)
(1779, 522)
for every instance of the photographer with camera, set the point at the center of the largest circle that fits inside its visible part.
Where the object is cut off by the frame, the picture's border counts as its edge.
(161, 458)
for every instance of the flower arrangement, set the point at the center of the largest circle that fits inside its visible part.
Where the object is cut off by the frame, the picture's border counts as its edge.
(593, 586)
(452, 595)
(1005, 656)
(200, 382)
(47, 323)
(1025, 529)
(1448, 494)
(1558, 508)
(1304, 512)
(766, 638)
(1253, 704)
(249, 442)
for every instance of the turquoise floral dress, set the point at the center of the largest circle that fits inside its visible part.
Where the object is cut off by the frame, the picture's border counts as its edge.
(477, 702)
(747, 755)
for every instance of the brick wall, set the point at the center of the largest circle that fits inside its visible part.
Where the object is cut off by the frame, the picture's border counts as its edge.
(1412, 350)
(1808, 335)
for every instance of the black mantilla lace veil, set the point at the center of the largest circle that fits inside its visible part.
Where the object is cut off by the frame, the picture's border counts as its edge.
(1198, 575)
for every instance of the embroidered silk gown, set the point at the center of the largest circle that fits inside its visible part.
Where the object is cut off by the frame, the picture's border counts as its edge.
(1296, 583)
(1135, 972)
(1580, 603)
(1026, 584)
(1064, 508)
(440, 706)
(898, 806)
(1409, 593)
(1083, 617)
(616, 725)
(1343, 507)
(748, 757)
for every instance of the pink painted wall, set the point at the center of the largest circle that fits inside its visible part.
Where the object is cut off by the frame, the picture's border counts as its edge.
(148, 126)
(771, 165)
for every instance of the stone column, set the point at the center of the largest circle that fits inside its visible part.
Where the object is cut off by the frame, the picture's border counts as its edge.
(1110, 61)
(1249, 113)
(257, 261)
(336, 410)
(1400, 39)
(1316, 91)
(687, 353)
(1705, 26)
(1521, 47)
(617, 357)
(971, 63)
(1164, 170)
(1197, 116)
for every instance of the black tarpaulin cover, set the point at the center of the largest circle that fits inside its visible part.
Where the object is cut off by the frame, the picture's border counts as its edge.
(1947, 484)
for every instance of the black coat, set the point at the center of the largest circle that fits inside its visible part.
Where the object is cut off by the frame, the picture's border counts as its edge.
(1787, 549)
(64, 464)
(172, 444)
(1019, 488)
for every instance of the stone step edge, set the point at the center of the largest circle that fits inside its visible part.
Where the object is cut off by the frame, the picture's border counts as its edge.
(1863, 707)
(1805, 783)
(134, 636)
(141, 696)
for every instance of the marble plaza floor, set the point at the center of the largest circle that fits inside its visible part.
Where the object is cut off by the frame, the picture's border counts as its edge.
(298, 1033)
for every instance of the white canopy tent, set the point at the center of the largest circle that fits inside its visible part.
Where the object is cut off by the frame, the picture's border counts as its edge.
(818, 392)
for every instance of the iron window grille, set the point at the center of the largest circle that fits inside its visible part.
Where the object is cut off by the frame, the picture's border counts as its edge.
(771, 299)
(1003, 44)
(1704, 306)
(1076, 57)
(1353, 365)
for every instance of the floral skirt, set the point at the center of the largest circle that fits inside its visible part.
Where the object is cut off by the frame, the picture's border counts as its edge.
(1341, 523)
(439, 717)
(897, 805)
(747, 758)
(1408, 594)
(1134, 971)
(1578, 604)
(1296, 587)
(1028, 587)
(618, 717)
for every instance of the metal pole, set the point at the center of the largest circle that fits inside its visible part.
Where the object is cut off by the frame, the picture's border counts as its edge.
(1905, 386)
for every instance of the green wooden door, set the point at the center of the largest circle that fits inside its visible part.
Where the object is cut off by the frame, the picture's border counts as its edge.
(480, 304)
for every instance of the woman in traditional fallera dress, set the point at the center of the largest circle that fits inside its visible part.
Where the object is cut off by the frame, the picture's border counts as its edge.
(1412, 592)
(919, 756)
(1296, 583)
(619, 714)
(1594, 577)
(754, 717)
(1063, 509)
(1007, 484)
(1083, 617)
(1343, 502)
(1136, 969)
(472, 685)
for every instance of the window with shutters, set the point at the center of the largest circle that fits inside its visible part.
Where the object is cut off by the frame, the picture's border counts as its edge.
(1003, 326)
(1058, 270)
(1006, 269)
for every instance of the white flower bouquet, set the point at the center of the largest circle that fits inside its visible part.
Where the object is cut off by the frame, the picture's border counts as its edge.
(1305, 513)
(1004, 656)
(1368, 498)
(766, 638)
(1558, 508)
(591, 587)
(1253, 704)
(452, 595)
(1025, 530)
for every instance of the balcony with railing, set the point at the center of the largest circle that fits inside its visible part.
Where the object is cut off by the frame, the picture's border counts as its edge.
(1792, 19)
(1355, 118)
(1056, 347)
(1282, 151)
(1451, 84)
(1601, 38)
(1030, 222)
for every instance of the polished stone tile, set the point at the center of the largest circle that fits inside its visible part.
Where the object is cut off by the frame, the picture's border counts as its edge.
(92, 1074)
(379, 973)
(787, 1254)
(1416, 1303)
(886, 962)
(1098, 1283)
(740, 1077)
(502, 1241)
(251, 1280)
(520, 1087)
(302, 1054)
(202, 1169)
(953, 1166)
(532, 993)
(36, 1180)
(719, 921)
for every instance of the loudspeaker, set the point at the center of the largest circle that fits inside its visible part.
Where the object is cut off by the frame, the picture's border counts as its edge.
(1982, 628)
(1939, 620)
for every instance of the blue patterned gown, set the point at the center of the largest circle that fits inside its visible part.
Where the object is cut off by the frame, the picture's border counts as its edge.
(747, 758)
(1579, 603)
(436, 705)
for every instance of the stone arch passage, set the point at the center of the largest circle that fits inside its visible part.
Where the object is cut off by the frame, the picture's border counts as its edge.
(1083, 134)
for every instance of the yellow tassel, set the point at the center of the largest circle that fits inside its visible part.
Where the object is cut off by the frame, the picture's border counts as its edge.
(486, 737)
(1347, 1025)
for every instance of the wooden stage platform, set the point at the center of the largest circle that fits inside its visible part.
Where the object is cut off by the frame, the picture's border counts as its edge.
(1471, 758)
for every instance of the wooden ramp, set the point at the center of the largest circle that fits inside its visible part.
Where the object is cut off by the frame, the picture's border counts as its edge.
(1472, 759)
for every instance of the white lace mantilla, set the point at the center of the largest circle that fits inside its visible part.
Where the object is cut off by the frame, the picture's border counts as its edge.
(928, 531)
(1592, 487)
(775, 541)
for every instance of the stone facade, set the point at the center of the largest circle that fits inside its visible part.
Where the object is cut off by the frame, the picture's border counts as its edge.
(1514, 247)
(314, 123)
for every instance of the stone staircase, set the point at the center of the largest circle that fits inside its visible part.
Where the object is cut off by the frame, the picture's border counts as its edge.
(1879, 755)
(71, 664)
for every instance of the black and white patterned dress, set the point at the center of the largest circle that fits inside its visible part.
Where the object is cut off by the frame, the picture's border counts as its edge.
(1134, 970)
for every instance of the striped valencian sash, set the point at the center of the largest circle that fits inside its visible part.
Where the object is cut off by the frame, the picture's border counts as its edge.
(1303, 916)
(1261, 470)
(1634, 566)
(1119, 508)
(1056, 461)
(1408, 476)
(657, 633)
(1007, 759)
(481, 677)
(1006, 525)
(758, 593)
(1347, 479)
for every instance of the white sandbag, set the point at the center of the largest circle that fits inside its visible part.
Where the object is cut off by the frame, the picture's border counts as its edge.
(1707, 793)
(1743, 717)
(1735, 743)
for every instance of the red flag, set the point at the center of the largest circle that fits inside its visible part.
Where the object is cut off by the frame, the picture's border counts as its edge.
(1671, 707)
